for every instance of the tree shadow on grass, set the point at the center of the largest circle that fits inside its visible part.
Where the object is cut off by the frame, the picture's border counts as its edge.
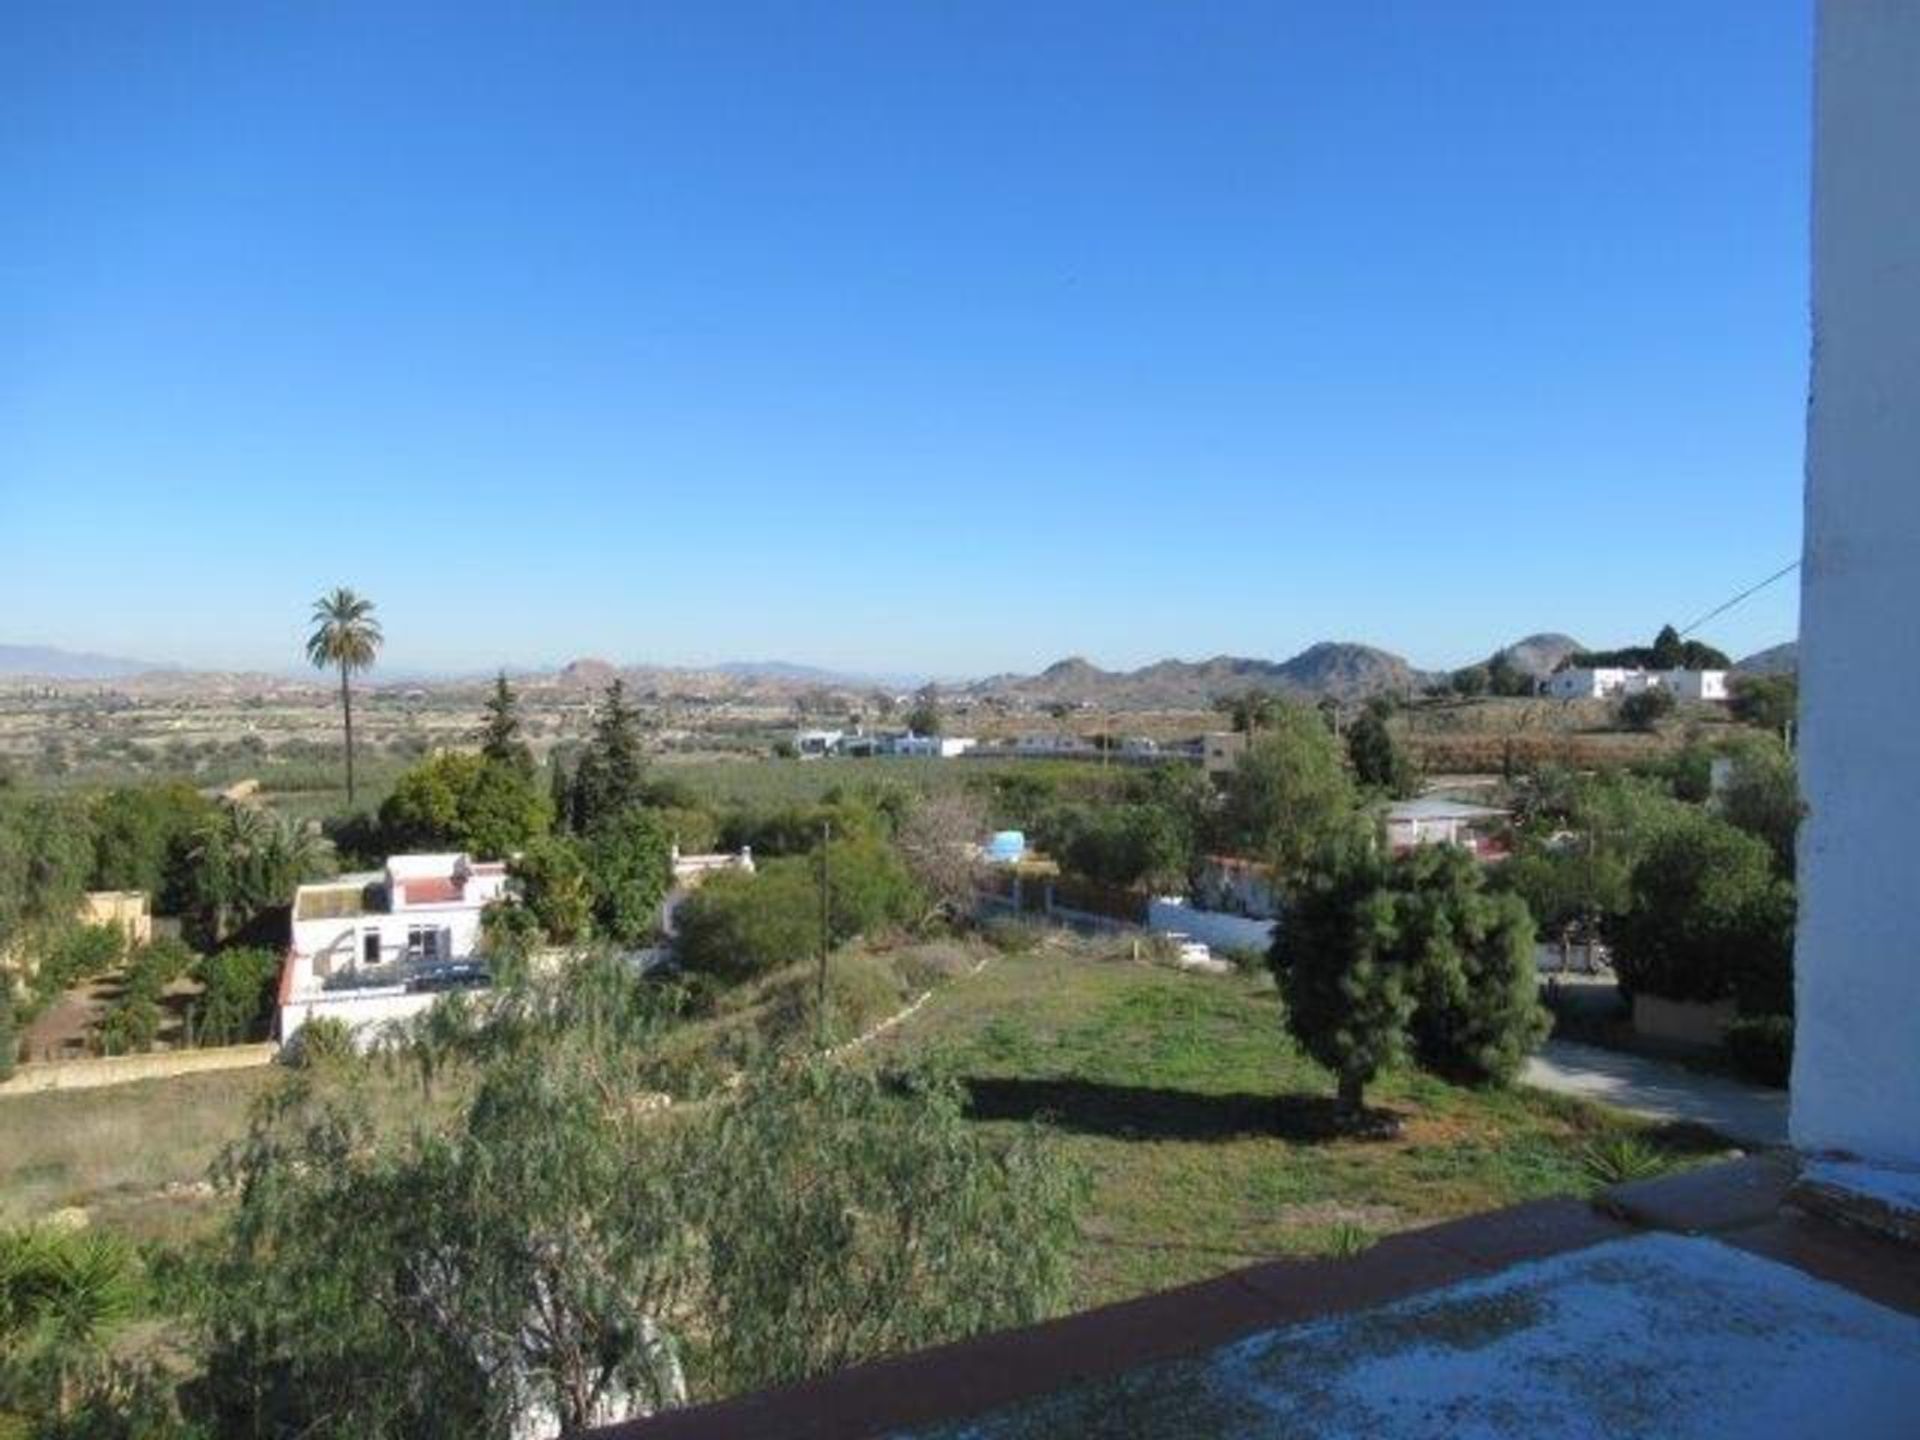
(1138, 1112)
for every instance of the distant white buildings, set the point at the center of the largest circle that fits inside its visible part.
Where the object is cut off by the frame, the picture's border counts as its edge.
(1609, 682)
(817, 744)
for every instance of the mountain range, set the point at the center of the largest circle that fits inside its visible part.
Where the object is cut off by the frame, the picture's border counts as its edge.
(1344, 670)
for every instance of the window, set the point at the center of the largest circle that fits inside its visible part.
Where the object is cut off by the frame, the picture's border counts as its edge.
(370, 947)
(423, 943)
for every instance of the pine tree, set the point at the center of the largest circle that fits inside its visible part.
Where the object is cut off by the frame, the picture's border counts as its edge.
(500, 739)
(610, 776)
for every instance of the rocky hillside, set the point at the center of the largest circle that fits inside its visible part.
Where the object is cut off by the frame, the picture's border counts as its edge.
(1781, 659)
(1343, 670)
(1539, 655)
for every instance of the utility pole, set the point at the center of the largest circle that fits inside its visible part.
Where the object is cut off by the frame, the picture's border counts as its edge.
(826, 934)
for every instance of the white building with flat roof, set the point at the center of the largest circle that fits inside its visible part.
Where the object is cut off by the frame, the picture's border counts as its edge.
(1610, 682)
(379, 946)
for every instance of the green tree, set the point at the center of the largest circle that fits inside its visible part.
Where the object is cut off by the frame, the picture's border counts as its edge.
(141, 837)
(487, 808)
(628, 871)
(1708, 918)
(1667, 652)
(551, 1250)
(46, 857)
(1470, 681)
(1379, 761)
(236, 1000)
(1348, 996)
(501, 738)
(1379, 959)
(1249, 711)
(243, 860)
(1289, 797)
(1767, 702)
(955, 1236)
(551, 876)
(1763, 798)
(925, 717)
(1478, 1014)
(1506, 678)
(610, 776)
(737, 926)
(345, 637)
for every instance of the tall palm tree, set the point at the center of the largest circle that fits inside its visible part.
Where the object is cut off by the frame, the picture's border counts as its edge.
(344, 634)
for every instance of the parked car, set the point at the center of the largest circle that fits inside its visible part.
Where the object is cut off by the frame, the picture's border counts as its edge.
(460, 975)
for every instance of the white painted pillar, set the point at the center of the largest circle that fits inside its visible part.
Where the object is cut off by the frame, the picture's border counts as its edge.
(1856, 1080)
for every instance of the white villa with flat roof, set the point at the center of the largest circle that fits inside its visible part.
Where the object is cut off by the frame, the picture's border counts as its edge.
(380, 946)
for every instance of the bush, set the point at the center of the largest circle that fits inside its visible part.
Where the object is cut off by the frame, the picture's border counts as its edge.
(738, 925)
(1761, 1048)
(79, 954)
(1707, 919)
(1379, 957)
(323, 1042)
(1645, 709)
(1347, 995)
(238, 997)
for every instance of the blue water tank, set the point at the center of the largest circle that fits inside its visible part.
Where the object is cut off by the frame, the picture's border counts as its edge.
(1007, 846)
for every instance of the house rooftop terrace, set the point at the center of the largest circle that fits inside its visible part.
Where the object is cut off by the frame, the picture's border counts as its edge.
(1706, 1304)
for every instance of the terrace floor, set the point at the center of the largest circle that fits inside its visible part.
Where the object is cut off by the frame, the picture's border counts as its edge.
(1704, 1304)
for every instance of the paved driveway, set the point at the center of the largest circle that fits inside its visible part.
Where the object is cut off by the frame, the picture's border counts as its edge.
(1746, 1114)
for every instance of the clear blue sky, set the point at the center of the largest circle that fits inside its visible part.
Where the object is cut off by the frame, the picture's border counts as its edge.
(907, 336)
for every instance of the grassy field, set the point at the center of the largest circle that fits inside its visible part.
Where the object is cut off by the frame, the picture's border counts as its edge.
(1203, 1127)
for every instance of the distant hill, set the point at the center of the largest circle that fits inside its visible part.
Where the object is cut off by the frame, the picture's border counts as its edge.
(49, 662)
(1539, 655)
(1340, 669)
(1782, 659)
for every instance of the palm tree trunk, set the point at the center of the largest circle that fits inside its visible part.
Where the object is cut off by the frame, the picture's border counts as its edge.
(346, 710)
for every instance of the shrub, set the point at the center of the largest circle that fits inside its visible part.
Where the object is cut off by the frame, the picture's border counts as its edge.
(1479, 1014)
(1620, 1159)
(1761, 1048)
(238, 998)
(79, 954)
(1645, 709)
(322, 1042)
(1348, 997)
(131, 1024)
(1380, 957)
(1706, 918)
(739, 925)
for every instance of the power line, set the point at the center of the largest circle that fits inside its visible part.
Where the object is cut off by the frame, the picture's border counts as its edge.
(1719, 610)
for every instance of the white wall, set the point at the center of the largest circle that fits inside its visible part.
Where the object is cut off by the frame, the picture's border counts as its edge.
(1856, 1079)
(1216, 927)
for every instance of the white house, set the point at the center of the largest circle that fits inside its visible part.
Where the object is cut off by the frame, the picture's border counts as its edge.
(812, 744)
(1435, 820)
(1608, 682)
(382, 945)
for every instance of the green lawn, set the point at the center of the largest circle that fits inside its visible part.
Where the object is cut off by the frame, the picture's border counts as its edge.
(1204, 1129)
